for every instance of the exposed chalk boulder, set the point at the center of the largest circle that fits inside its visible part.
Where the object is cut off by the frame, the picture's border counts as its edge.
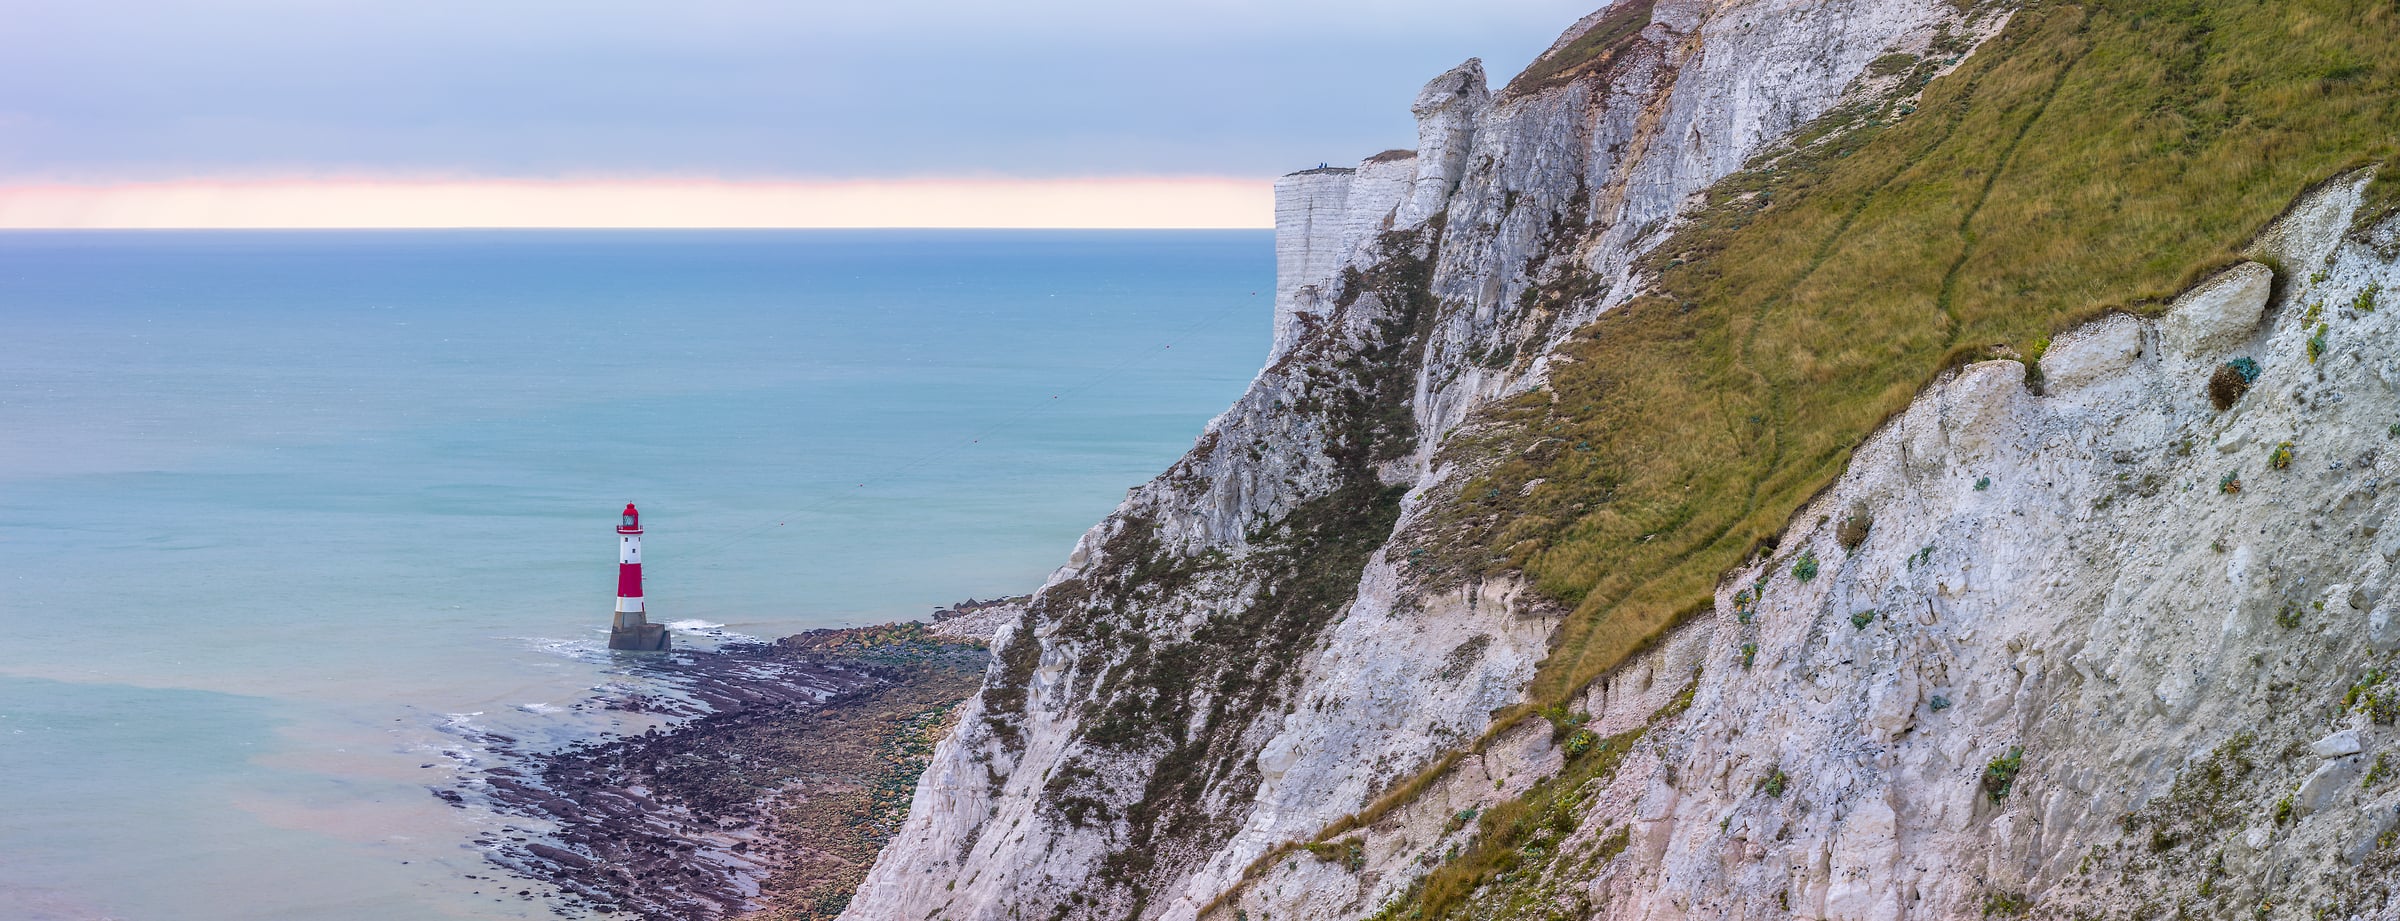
(2329, 782)
(2093, 352)
(2220, 313)
(2336, 745)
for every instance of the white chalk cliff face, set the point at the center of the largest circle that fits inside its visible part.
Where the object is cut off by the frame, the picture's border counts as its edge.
(1229, 663)
(2093, 648)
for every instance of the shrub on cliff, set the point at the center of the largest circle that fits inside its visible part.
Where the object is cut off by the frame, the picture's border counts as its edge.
(1563, 721)
(2232, 379)
(2000, 776)
(1853, 530)
(1998, 904)
(1745, 605)
(1582, 741)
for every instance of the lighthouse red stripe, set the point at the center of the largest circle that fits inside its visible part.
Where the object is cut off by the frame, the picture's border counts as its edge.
(629, 580)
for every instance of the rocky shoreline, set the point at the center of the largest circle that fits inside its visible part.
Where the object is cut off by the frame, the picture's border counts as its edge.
(790, 764)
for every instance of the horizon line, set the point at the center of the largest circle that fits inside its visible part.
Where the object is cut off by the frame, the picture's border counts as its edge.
(1094, 203)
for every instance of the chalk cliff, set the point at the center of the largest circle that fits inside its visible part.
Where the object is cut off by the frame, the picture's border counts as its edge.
(2029, 649)
(1229, 662)
(2102, 648)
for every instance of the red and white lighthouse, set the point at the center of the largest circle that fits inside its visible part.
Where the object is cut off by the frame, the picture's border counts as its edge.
(632, 629)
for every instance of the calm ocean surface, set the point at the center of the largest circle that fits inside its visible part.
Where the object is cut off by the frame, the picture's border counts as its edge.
(280, 511)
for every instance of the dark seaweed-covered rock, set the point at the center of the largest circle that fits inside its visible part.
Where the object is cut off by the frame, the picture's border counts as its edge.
(793, 761)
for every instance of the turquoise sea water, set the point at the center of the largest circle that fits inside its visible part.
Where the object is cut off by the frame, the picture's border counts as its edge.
(278, 510)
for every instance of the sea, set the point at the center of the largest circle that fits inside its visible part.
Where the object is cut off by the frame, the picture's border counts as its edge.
(288, 517)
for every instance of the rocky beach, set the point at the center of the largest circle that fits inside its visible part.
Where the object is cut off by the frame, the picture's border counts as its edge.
(778, 772)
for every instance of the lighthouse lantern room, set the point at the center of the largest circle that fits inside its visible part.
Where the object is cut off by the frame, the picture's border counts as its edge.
(632, 630)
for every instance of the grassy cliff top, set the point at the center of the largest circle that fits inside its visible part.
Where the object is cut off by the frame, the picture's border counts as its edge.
(2093, 156)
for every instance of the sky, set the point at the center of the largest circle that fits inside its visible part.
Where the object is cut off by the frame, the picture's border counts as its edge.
(600, 112)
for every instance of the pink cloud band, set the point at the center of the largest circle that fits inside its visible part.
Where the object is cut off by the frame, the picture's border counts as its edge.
(1203, 202)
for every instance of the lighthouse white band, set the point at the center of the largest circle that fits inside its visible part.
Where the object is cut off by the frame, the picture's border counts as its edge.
(629, 550)
(631, 605)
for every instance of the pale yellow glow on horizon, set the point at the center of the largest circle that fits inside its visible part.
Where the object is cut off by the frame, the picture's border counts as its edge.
(1208, 202)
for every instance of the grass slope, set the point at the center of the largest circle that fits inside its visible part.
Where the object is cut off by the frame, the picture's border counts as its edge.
(2094, 156)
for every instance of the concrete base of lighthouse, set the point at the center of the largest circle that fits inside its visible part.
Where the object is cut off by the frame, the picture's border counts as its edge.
(632, 632)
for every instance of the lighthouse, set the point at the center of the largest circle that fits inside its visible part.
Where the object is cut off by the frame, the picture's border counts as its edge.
(631, 629)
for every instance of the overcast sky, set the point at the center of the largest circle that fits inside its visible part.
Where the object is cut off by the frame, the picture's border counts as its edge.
(109, 91)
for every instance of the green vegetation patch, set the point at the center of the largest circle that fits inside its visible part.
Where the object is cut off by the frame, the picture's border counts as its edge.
(2001, 904)
(2000, 777)
(2372, 696)
(1521, 845)
(1526, 860)
(1350, 853)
